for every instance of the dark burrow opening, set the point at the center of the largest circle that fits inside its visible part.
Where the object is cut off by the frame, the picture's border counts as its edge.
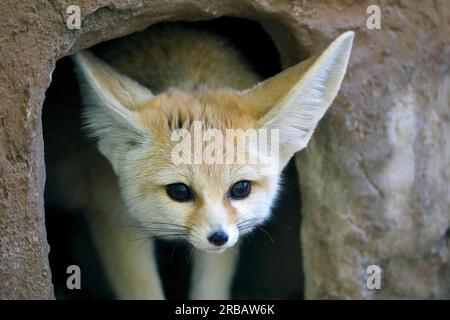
(269, 266)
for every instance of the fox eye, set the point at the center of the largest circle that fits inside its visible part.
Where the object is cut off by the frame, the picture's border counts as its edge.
(240, 190)
(179, 192)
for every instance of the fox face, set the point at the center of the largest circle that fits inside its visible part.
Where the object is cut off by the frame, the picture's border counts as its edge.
(176, 185)
(209, 203)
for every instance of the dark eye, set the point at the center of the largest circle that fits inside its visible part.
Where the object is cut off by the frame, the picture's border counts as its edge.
(240, 190)
(179, 192)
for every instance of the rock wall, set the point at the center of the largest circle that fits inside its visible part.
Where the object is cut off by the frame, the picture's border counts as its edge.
(374, 180)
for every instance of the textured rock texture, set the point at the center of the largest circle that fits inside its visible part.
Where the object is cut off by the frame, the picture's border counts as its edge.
(374, 180)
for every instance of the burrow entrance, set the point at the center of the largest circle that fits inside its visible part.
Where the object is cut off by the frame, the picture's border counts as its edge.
(270, 265)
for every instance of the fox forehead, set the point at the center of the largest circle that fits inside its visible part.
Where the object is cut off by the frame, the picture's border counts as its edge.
(216, 109)
(205, 175)
(175, 109)
(153, 166)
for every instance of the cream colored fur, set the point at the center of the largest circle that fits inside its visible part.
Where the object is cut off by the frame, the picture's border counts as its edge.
(179, 76)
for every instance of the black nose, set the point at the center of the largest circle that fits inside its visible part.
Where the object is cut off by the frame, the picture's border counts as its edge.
(218, 238)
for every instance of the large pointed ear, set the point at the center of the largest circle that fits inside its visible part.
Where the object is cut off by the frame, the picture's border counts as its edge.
(295, 100)
(110, 100)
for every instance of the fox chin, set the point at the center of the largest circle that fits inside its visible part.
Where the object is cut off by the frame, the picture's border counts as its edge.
(141, 100)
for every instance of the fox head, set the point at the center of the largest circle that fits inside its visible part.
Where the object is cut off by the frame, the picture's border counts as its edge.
(209, 204)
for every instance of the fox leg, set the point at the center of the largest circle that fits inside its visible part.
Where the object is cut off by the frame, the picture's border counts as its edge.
(213, 274)
(129, 264)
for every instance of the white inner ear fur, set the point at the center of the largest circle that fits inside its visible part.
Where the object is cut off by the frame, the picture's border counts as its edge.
(109, 100)
(295, 100)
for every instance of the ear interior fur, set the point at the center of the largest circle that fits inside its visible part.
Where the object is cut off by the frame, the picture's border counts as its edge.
(109, 99)
(295, 100)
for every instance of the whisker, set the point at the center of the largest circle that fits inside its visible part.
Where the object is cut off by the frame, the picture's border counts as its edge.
(251, 220)
(250, 227)
(163, 229)
(158, 227)
(246, 224)
(265, 232)
(160, 236)
(173, 251)
(189, 255)
(166, 224)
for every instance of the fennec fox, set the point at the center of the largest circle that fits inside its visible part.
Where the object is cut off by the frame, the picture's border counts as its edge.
(135, 98)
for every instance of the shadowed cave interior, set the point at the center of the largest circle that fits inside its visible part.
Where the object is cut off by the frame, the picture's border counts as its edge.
(270, 265)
